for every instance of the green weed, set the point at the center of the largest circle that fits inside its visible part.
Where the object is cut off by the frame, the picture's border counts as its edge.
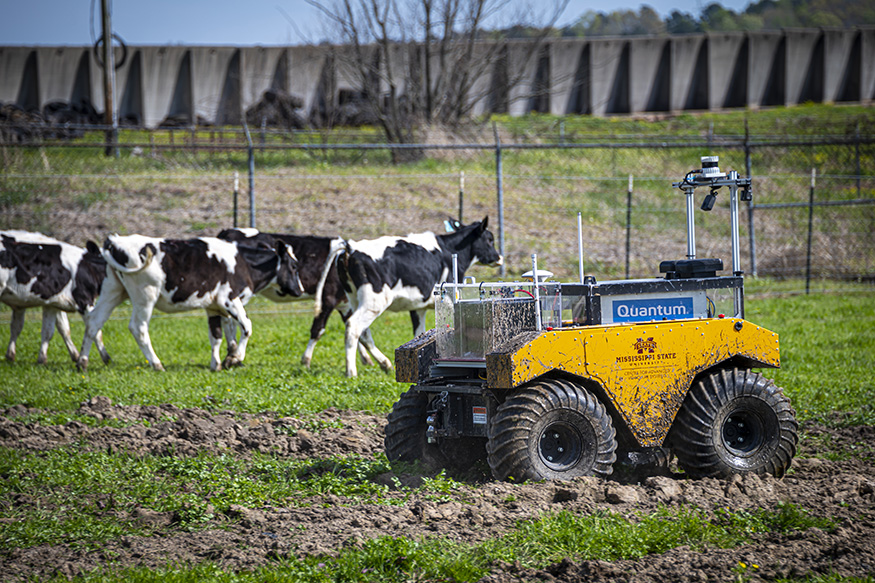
(785, 518)
(535, 544)
(82, 497)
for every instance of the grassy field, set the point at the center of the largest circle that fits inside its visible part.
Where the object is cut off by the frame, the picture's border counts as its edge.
(272, 378)
(827, 351)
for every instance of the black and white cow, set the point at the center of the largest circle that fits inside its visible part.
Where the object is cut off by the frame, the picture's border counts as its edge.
(399, 274)
(312, 252)
(175, 275)
(38, 271)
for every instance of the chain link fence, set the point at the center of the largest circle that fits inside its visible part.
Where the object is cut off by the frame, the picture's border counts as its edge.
(812, 214)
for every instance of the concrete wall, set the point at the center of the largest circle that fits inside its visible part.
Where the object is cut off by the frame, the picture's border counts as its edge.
(605, 76)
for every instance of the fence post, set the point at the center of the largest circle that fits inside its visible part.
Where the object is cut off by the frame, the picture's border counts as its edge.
(857, 156)
(251, 176)
(750, 218)
(628, 224)
(810, 229)
(236, 192)
(109, 81)
(580, 246)
(461, 195)
(500, 187)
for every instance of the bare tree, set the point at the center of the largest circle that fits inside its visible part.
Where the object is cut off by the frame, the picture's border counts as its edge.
(424, 62)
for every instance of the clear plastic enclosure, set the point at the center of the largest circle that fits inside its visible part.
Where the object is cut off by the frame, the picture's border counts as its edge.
(479, 318)
(483, 316)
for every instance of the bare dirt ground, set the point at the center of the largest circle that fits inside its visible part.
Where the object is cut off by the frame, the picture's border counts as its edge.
(833, 476)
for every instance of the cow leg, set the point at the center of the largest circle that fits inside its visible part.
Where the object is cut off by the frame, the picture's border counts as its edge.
(357, 329)
(216, 324)
(307, 357)
(230, 328)
(50, 316)
(363, 352)
(98, 340)
(63, 326)
(368, 348)
(112, 293)
(15, 328)
(317, 329)
(139, 327)
(238, 312)
(54, 318)
(417, 318)
(353, 333)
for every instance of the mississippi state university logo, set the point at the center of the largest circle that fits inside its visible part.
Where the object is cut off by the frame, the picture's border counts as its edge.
(646, 355)
(645, 346)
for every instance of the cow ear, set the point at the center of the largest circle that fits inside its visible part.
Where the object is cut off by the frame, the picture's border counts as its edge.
(92, 247)
(148, 252)
(484, 223)
(281, 248)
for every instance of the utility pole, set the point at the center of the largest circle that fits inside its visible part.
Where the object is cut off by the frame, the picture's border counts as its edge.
(110, 118)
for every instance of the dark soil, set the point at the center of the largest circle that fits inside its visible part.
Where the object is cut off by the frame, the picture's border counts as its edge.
(833, 476)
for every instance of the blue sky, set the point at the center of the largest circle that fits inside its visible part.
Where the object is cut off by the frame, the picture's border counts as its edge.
(219, 22)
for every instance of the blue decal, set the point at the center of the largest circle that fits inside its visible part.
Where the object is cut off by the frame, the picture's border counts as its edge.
(653, 309)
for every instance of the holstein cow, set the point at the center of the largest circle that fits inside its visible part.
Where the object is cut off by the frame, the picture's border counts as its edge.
(176, 275)
(399, 274)
(312, 253)
(38, 271)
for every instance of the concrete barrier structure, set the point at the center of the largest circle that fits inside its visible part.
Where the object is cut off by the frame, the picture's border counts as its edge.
(216, 85)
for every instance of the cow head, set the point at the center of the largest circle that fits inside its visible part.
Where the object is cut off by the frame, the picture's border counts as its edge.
(482, 242)
(287, 277)
(128, 253)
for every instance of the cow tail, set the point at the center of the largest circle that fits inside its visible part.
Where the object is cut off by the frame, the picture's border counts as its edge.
(337, 247)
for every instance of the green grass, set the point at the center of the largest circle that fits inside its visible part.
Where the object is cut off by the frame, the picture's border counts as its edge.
(86, 497)
(827, 341)
(827, 352)
(535, 544)
(800, 121)
(807, 119)
(271, 379)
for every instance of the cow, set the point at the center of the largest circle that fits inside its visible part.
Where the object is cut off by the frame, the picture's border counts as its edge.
(399, 274)
(39, 271)
(312, 252)
(175, 275)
